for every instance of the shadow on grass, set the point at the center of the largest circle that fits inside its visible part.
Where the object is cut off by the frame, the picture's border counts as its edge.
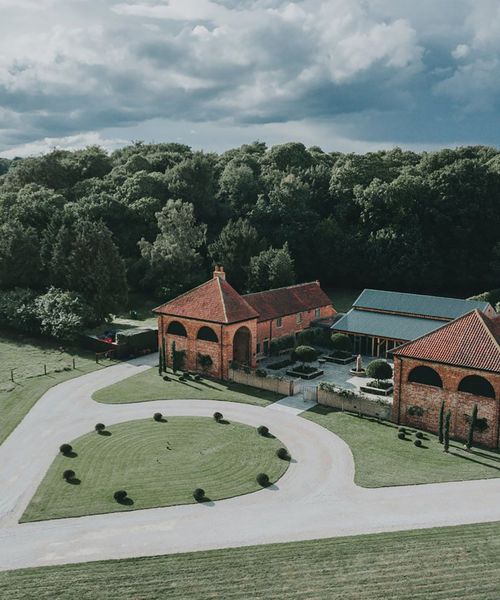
(484, 455)
(223, 422)
(104, 433)
(74, 481)
(71, 454)
(126, 501)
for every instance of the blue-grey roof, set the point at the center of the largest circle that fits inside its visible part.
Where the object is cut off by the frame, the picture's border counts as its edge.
(395, 327)
(417, 304)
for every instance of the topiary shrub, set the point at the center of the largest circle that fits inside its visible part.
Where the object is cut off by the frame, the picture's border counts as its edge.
(283, 454)
(340, 342)
(157, 416)
(379, 369)
(100, 427)
(263, 430)
(419, 435)
(199, 494)
(306, 354)
(401, 435)
(66, 449)
(263, 479)
(418, 443)
(218, 416)
(120, 495)
(402, 429)
(68, 474)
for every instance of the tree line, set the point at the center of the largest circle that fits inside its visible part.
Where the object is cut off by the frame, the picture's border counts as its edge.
(79, 229)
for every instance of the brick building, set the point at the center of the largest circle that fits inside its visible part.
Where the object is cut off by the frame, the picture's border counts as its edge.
(213, 319)
(459, 363)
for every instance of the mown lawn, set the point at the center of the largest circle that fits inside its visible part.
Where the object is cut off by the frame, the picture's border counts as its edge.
(382, 459)
(158, 464)
(459, 563)
(28, 357)
(148, 385)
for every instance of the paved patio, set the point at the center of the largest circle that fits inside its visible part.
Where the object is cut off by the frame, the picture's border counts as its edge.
(333, 373)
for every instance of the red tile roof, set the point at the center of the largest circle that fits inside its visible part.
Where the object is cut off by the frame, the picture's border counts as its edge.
(272, 304)
(472, 340)
(215, 301)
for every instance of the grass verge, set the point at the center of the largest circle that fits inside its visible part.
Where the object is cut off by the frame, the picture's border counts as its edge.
(462, 563)
(158, 464)
(148, 385)
(381, 459)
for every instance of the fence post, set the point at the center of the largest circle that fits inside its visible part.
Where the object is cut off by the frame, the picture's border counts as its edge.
(12, 374)
(96, 358)
(45, 369)
(74, 365)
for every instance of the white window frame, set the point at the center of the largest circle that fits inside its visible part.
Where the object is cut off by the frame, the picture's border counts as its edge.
(298, 318)
(317, 313)
(279, 322)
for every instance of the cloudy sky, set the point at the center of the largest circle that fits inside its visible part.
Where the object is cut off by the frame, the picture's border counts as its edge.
(351, 75)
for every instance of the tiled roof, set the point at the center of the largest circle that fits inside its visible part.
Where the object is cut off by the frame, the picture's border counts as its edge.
(393, 327)
(280, 302)
(417, 304)
(215, 301)
(472, 340)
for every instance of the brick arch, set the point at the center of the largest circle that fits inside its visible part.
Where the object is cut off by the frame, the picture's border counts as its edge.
(242, 345)
(176, 328)
(477, 385)
(207, 334)
(426, 376)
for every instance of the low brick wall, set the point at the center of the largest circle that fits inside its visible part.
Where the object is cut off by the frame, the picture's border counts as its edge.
(272, 384)
(358, 404)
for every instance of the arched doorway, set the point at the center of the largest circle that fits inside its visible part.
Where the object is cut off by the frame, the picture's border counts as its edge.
(242, 346)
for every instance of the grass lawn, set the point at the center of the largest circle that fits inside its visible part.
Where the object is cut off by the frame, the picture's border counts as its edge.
(158, 464)
(382, 459)
(148, 385)
(28, 356)
(462, 563)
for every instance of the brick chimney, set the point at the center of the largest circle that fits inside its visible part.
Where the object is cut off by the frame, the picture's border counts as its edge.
(219, 272)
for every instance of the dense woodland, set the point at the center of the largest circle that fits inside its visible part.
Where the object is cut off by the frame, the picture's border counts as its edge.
(80, 229)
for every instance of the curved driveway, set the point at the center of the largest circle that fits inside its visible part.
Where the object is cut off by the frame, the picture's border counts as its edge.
(316, 497)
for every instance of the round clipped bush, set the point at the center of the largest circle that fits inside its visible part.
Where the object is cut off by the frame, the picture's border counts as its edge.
(263, 430)
(341, 342)
(263, 479)
(419, 435)
(218, 416)
(306, 354)
(379, 369)
(418, 443)
(401, 435)
(120, 495)
(68, 474)
(402, 429)
(66, 448)
(100, 427)
(283, 454)
(157, 416)
(199, 494)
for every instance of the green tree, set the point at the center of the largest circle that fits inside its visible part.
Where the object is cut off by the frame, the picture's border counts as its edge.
(446, 436)
(272, 268)
(62, 314)
(174, 263)
(234, 248)
(341, 342)
(441, 423)
(472, 426)
(306, 354)
(379, 369)
(20, 264)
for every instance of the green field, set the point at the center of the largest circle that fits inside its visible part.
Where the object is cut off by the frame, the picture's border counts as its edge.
(382, 459)
(28, 356)
(158, 464)
(148, 385)
(459, 563)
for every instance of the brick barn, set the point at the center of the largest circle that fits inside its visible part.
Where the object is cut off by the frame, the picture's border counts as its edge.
(214, 319)
(459, 363)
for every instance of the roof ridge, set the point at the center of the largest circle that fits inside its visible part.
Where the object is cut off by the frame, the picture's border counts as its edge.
(488, 330)
(183, 294)
(285, 287)
(447, 324)
(223, 302)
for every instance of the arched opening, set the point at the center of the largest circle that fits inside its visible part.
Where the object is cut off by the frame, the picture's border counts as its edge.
(176, 328)
(242, 349)
(479, 386)
(207, 334)
(426, 376)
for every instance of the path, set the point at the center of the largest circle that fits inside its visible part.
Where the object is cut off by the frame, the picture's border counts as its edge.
(316, 497)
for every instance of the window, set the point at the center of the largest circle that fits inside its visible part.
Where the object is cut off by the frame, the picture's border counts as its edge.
(479, 386)
(207, 334)
(176, 328)
(279, 322)
(425, 376)
(299, 318)
(258, 348)
(317, 313)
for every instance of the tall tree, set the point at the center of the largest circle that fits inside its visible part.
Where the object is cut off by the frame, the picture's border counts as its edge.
(272, 268)
(20, 264)
(174, 263)
(441, 423)
(472, 426)
(446, 436)
(234, 248)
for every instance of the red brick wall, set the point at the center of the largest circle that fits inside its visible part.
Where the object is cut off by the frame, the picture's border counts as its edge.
(429, 398)
(221, 352)
(268, 330)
